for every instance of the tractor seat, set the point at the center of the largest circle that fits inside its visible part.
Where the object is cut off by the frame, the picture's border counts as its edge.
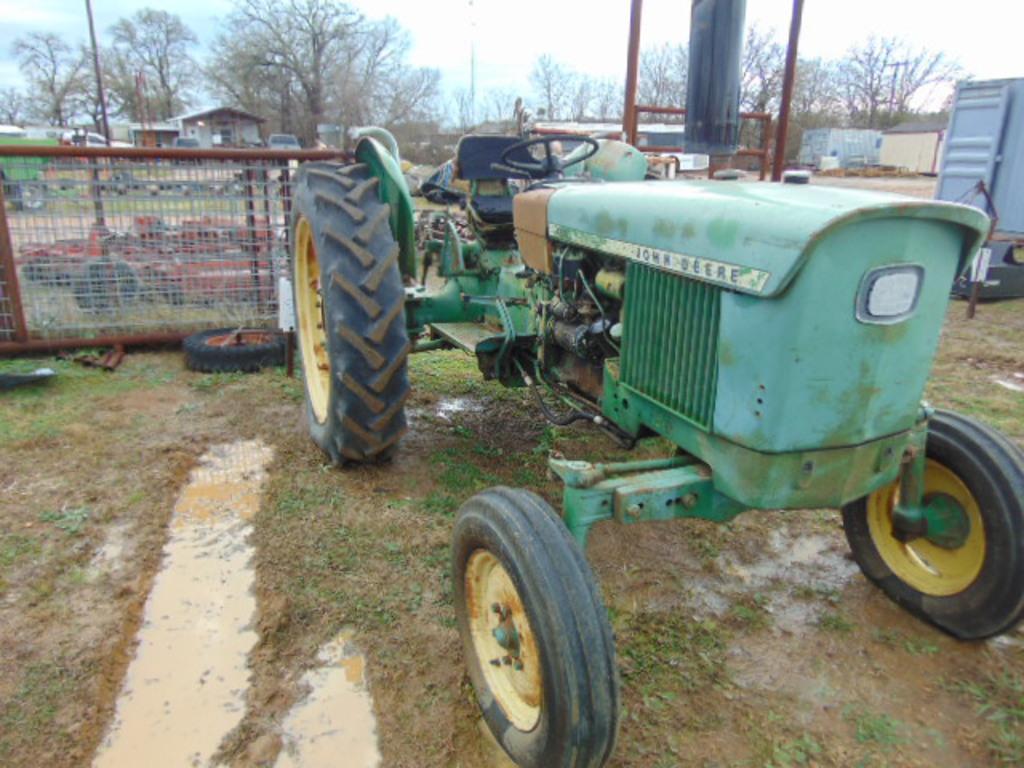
(493, 209)
(473, 158)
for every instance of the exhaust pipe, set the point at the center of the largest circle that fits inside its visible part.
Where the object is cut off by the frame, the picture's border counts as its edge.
(713, 81)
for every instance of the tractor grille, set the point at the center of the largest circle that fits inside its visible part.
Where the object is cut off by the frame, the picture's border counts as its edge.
(670, 341)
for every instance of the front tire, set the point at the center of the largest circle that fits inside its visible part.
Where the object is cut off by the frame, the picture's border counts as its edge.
(535, 633)
(974, 590)
(349, 301)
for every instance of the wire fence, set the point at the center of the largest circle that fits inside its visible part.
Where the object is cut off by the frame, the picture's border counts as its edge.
(107, 245)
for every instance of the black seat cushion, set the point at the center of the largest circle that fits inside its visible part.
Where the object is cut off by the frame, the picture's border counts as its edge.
(493, 209)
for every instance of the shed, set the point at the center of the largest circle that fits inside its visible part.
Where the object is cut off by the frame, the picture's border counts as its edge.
(852, 147)
(220, 127)
(914, 147)
(153, 134)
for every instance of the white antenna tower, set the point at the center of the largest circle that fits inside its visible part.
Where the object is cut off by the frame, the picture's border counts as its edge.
(472, 63)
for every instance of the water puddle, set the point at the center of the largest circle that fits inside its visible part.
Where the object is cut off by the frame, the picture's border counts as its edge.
(185, 688)
(814, 559)
(336, 718)
(1014, 384)
(448, 407)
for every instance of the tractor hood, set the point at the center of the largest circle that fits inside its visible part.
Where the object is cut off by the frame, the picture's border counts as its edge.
(750, 237)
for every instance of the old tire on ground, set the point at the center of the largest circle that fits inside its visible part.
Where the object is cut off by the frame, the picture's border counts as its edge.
(535, 633)
(349, 301)
(225, 350)
(972, 591)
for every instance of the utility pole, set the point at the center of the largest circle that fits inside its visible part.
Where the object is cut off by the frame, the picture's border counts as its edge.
(99, 73)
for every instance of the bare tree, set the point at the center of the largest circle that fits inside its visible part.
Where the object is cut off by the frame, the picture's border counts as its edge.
(150, 67)
(581, 96)
(500, 104)
(553, 85)
(325, 60)
(609, 99)
(379, 87)
(662, 76)
(463, 110)
(57, 76)
(13, 106)
(885, 79)
(764, 59)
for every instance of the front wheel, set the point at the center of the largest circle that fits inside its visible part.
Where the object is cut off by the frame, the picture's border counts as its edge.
(535, 634)
(973, 585)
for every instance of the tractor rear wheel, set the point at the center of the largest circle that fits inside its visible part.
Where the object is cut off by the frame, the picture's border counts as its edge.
(349, 300)
(535, 633)
(972, 587)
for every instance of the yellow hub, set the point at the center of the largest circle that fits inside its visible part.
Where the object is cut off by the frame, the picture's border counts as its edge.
(309, 308)
(922, 564)
(503, 640)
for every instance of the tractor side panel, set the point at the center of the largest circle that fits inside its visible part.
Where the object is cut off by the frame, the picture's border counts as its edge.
(800, 371)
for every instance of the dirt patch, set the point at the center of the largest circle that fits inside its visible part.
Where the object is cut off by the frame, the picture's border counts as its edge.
(752, 643)
(915, 186)
(91, 466)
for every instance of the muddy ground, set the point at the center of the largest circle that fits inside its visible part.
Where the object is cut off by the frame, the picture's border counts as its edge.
(752, 644)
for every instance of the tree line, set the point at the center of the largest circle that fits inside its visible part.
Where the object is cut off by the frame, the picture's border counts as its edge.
(877, 83)
(299, 63)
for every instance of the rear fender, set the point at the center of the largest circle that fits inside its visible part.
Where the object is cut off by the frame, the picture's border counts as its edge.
(395, 192)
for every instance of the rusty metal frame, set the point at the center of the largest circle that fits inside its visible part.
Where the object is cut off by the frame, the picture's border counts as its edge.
(22, 343)
(763, 152)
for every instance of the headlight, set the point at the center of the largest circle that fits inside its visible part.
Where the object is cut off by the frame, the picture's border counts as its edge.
(889, 294)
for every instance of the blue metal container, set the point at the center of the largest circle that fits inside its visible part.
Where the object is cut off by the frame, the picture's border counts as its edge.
(985, 142)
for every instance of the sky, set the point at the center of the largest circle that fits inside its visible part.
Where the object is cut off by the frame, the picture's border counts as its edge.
(508, 35)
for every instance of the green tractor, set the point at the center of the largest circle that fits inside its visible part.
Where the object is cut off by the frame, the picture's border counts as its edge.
(780, 336)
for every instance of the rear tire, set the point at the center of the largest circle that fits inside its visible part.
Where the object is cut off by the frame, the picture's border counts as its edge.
(349, 302)
(552, 699)
(972, 591)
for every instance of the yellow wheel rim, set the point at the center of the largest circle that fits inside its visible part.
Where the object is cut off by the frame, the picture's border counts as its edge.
(512, 671)
(309, 307)
(921, 564)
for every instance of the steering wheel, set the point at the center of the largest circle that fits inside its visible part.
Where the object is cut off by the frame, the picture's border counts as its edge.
(553, 163)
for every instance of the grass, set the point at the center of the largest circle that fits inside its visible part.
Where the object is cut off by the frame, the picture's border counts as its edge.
(750, 613)
(795, 753)
(833, 621)
(44, 410)
(663, 653)
(71, 521)
(874, 728)
(999, 698)
(34, 707)
(915, 646)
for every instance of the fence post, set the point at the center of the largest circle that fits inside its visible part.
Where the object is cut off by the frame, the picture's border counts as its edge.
(9, 275)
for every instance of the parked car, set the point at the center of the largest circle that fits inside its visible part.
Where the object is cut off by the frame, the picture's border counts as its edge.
(80, 138)
(283, 141)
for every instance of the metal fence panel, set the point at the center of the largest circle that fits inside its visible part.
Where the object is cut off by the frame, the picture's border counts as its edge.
(135, 245)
